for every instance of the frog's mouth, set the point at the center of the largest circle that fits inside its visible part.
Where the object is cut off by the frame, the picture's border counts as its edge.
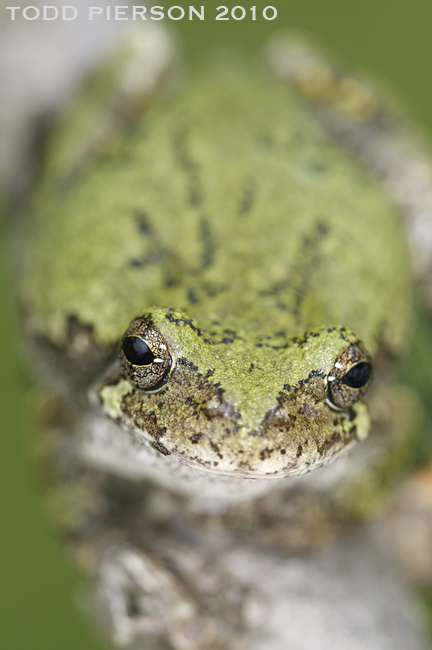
(195, 421)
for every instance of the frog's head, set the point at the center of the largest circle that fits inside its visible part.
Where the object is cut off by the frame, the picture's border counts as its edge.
(236, 406)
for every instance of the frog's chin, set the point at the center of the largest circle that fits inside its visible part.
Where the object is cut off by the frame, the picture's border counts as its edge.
(269, 475)
(265, 468)
(115, 449)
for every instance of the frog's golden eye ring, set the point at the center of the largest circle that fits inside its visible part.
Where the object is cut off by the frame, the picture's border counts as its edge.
(350, 377)
(144, 355)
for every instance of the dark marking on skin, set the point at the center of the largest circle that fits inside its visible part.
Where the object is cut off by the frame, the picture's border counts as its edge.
(322, 229)
(244, 465)
(72, 322)
(187, 321)
(301, 274)
(230, 338)
(192, 296)
(160, 447)
(214, 289)
(187, 364)
(146, 421)
(273, 347)
(133, 605)
(289, 342)
(311, 252)
(208, 244)
(170, 282)
(342, 331)
(247, 199)
(158, 251)
(209, 373)
(196, 438)
(183, 321)
(276, 289)
(334, 439)
(266, 453)
(265, 141)
(154, 257)
(316, 168)
(299, 451)
(181, 149)
(142, 222)
(274, 419)
(216, 449)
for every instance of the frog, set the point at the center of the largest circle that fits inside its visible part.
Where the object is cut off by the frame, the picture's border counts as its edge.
(213, 290)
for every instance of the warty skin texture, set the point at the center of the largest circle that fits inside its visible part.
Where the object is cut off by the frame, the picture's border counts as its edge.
(198, 210)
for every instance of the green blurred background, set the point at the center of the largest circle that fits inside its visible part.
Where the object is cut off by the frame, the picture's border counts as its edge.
(38, 587)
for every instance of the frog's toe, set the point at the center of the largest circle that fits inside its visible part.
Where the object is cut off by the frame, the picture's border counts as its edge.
(140, 602)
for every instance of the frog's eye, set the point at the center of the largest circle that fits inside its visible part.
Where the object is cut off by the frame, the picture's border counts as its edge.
(144, 355)
(350, 377)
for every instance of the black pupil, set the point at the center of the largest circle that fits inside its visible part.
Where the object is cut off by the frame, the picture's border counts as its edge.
(137, 352)
(358, 375)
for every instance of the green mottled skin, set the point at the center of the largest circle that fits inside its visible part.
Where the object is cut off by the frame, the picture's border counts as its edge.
(230, 205)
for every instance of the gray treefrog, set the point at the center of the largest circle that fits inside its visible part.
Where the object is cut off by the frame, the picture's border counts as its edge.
(210, 282)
